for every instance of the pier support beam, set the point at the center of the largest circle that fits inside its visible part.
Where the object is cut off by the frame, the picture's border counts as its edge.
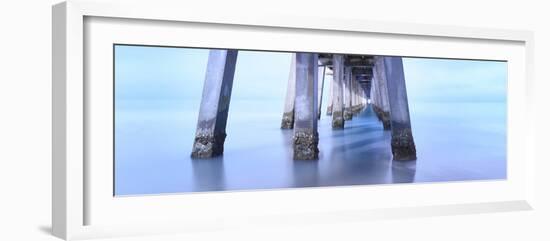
(358, 96)
(375, 96)
(361, 96)
(356, 102)
(216, 95)
(306, 137)
(288, 113)
(330, 92)
(348, 114)
(364, 98)
(361, 99)
(402, 143)
(320, 92)
(353, 95)
(383, 108)
(338, 92)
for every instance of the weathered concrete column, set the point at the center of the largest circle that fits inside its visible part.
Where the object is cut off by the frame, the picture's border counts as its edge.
(360, 99)
(359, 96)
(374, 99)
(383, 110)
(329, 107)
(402, 142)
(216, 94)
(356, 104)
(347, 94)
(364, 98)
(367, 95)
(338, 92)
(306, 137)
(288, 112)
(353, 95)
(320, 92)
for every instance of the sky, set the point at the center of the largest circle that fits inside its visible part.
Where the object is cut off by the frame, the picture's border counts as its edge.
(151, 74)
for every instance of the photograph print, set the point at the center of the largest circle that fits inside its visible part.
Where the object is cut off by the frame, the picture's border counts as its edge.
(204, 120)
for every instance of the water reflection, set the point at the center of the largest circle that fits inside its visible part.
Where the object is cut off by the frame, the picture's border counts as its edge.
(305, 173)
(208, 174)
(403, 171)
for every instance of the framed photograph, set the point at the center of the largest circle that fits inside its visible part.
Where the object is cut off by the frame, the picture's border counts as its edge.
(179, 121)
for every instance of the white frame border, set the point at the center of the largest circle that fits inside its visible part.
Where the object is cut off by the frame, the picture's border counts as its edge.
(68, 100)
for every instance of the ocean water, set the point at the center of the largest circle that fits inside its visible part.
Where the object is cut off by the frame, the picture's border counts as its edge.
(455, 141)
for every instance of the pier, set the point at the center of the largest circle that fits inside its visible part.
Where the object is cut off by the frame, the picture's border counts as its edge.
(357, 82)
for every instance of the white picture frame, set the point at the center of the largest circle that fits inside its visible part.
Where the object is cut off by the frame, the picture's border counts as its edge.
(75, 190)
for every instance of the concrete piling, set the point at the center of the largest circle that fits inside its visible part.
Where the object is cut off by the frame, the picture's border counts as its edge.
(306, 137)
(353, 95)
(216, 95)
(320, 91)
(383, 108)
(288, 112)
(330, 92)
(348, 114)
(338, 92)
(402, 143)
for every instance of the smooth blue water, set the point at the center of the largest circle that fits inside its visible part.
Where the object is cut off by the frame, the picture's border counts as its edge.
(455, 141)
